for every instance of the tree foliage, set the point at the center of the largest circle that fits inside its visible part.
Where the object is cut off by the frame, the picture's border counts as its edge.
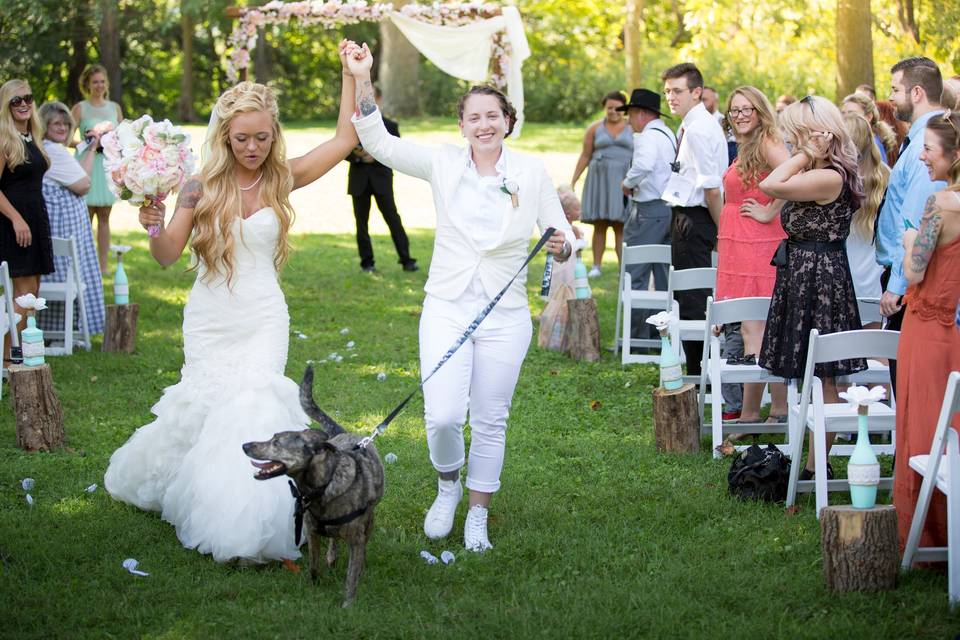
(787, 46)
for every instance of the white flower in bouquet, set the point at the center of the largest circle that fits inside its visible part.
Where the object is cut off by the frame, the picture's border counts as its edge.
(32, 302)
(862, 397)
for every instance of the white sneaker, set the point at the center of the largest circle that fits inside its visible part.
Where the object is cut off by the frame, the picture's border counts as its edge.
(594, 272)
(475, 530)
(439, 520)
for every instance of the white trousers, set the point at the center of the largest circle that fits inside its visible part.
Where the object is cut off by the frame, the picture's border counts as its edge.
(480, 377)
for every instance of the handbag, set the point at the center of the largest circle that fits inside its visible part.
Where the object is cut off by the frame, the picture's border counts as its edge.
(759, 474)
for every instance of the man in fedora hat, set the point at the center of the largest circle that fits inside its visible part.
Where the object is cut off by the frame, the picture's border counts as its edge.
(654, 148)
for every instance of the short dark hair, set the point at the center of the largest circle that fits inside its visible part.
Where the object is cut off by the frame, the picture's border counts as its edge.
(508, 110)
(919, 71)
(706, 88)
(617, 96)
(686, 70)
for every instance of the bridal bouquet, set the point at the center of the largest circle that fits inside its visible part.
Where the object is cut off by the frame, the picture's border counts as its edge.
(146, 160)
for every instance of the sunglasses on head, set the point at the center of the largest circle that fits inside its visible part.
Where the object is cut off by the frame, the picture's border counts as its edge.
(808, 100)
(16, 101)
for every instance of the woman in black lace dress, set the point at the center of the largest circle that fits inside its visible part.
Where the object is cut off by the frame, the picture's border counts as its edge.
(24, 227)
(814, 288)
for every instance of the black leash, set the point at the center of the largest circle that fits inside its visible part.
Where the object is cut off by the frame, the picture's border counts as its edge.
(380, 428)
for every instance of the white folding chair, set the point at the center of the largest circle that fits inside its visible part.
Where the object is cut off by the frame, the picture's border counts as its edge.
(869, 309)
(940, 469)
(69, 291)
(808, 411)
(629, 298)
(688, 280)
(715, 371)
(8, 317)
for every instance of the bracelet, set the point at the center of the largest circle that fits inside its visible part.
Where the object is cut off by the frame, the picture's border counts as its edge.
(567, 250)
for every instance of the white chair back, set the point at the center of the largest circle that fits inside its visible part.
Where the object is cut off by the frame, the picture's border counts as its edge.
(689, 279)
(68, 291)
(869, 309)
(944, 450)
(8, 303)
(635, 255)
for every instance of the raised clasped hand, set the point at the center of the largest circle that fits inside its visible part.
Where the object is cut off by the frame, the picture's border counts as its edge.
(359, 60)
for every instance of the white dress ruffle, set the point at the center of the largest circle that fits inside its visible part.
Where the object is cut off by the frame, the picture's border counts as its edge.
(188, 464)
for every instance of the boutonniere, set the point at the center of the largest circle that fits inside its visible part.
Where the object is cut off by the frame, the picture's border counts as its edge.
(511, 188)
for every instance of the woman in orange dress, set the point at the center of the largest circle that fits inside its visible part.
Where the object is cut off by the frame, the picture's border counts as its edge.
(929, 341)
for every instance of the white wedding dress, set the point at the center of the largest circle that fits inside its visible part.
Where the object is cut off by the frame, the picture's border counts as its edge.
(188, 463)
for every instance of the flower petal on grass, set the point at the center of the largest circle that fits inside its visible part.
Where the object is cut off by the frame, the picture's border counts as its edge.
(447, 557)
(429, 557)
(28, 484)
(390, 458)
(131, 565)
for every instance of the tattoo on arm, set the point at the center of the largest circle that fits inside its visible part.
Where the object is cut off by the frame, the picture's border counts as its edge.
(365, 100)
(189, 195)
(927, 236)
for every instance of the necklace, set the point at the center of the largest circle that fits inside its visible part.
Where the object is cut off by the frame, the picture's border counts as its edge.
(27, 137)
(255, 183)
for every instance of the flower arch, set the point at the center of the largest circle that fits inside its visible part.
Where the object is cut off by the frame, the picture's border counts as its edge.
(476, 41)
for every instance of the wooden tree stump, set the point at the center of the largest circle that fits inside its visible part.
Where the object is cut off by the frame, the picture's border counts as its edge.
(36, 407)
(583, 330)
(676, 420)
(120, 334)
(860, 550)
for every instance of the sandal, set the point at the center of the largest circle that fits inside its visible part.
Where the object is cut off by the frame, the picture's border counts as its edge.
(749, 359)
(806, 474)
(772, 419)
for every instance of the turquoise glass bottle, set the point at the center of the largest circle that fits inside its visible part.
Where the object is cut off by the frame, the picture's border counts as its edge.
(581, 286)
(121, 287)
(863, 470)
(671, 372)
(31, 341)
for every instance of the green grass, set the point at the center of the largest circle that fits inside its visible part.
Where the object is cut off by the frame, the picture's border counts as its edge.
(596, 535)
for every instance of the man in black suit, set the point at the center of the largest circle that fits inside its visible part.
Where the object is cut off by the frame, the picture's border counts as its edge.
(366, 178)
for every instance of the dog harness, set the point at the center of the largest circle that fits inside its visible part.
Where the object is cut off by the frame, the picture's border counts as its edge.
(303, 502)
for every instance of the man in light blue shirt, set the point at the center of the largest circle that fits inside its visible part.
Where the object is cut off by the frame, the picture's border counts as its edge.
(915, 91)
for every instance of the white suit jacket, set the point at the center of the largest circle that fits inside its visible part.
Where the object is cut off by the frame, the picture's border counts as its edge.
(456, 257)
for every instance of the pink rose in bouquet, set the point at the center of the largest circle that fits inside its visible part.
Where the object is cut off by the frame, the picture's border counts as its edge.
(146, 161)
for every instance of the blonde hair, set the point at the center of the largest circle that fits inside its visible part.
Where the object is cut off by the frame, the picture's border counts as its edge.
(50, 110)
(11, 144)
(873, 172)
(884, 131)
(568, 198)
(87, 75)
(220, 205)
(751, 156)
(817, 114)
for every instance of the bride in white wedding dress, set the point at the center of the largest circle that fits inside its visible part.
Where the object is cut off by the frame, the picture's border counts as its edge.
(188, 464)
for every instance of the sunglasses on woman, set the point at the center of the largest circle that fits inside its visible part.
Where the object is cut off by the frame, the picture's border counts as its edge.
(16, 101)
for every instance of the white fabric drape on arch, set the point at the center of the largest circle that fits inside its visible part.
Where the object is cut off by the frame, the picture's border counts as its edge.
(464, 52)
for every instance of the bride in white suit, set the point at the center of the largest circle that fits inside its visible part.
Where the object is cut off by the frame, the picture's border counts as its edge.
(487, 199)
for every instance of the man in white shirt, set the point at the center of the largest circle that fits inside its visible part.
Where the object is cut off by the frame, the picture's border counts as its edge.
(695, 189)
(654, 148)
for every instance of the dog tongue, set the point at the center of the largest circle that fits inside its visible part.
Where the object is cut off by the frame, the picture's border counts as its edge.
(262, 465)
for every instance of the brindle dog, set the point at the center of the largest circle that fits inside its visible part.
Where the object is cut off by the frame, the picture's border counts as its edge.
(336, 484)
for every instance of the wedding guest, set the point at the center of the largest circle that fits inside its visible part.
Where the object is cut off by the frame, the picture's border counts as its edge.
(916, 86)
(368, 178)
(784, 101)
(487, 198)
(888, 115)
(950, 98)
(97, 113)
(24, 227)
(694, 190)
(867, 90)
(750, 228)
(929, 342)
(883, 136)
(813, 289)
(874, 173)
(188, 464)
(710, 103)
(654, 148)
(64, 185)
(607, 150)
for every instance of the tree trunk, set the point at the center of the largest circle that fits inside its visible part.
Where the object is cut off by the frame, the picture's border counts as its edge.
(80, 36)
(633, 43)
(261, 58)
(36, 407)
(399, 77)
(854, 46)
(110, 48)
(908, 20)
(583, 330)
(859, 546)
(185, 102)
(120, 333)
(676, 420)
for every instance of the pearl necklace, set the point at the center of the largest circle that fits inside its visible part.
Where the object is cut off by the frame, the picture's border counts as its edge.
(255, 183)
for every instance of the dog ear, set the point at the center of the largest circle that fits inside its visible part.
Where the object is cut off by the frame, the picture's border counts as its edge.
(343, 476)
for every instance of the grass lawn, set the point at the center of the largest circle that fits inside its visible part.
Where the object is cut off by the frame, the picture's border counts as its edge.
(596, 535)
